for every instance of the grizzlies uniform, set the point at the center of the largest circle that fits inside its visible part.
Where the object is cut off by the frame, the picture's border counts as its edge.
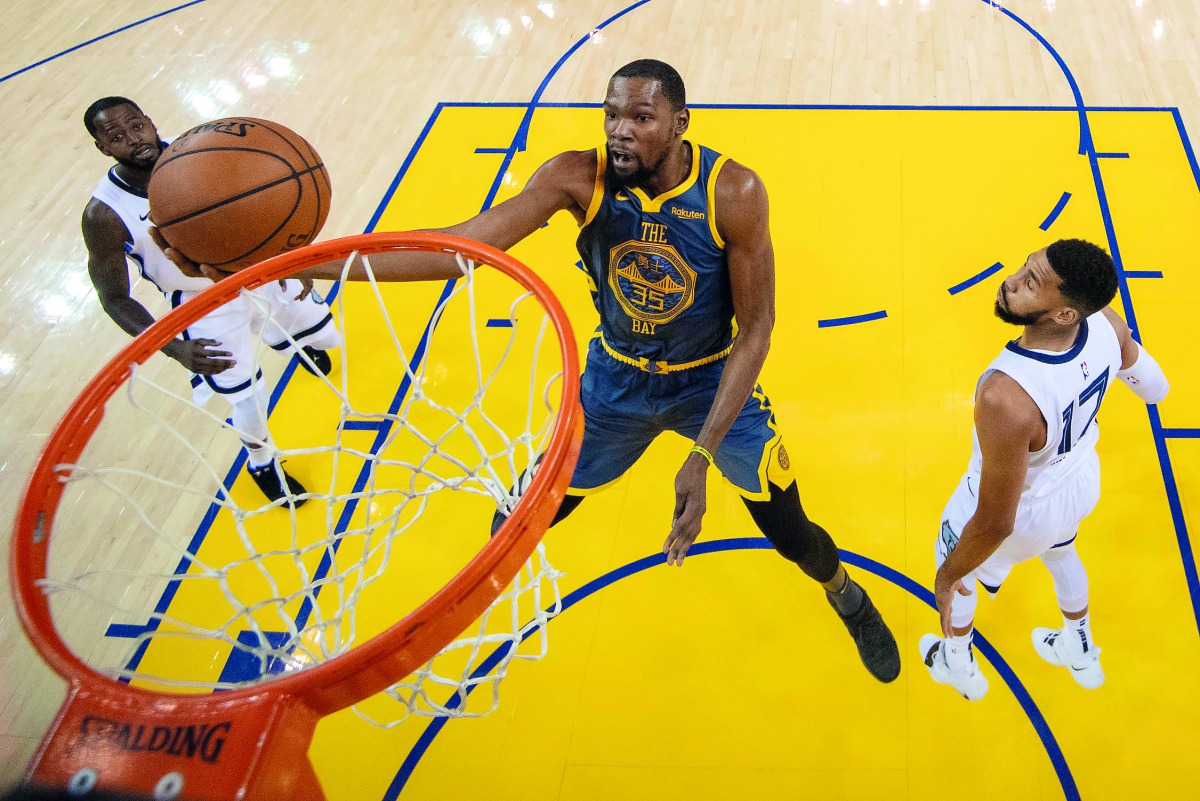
(1062, 484)
(271, 311)
(660, 282)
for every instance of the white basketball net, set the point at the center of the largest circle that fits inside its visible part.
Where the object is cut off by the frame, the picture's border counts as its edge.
(407, 488)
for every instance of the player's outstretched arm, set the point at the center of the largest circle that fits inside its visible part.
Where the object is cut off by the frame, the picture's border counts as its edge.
(105, 235)
(1008, 424)
(742, 220)
(564, 182)
(1139, 370)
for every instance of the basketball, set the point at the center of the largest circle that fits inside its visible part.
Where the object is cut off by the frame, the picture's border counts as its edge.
(238, 190)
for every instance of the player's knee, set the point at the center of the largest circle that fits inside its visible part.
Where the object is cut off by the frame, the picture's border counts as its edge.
(782, 521)
(1060, 553)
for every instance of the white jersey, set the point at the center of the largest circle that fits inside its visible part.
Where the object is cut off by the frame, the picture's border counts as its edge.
(1068, 389)
(133, 208)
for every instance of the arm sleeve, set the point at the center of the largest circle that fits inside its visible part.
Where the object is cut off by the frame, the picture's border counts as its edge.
(1145, 377)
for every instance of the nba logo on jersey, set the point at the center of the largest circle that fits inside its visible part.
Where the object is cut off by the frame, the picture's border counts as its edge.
(1083, 366)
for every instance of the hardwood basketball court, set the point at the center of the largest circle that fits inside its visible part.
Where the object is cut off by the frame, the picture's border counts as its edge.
(908, 148)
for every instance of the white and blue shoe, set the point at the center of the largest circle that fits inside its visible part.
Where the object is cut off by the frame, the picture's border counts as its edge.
(969, 680)
(1052, 645)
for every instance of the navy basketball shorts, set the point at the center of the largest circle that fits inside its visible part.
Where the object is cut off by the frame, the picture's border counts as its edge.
(625, 408)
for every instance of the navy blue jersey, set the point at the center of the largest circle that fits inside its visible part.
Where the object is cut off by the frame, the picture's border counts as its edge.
(659, 268)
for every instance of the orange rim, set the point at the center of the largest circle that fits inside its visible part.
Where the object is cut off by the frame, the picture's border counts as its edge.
(389, 656)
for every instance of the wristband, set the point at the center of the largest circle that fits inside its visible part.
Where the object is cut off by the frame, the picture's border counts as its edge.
(703, 452)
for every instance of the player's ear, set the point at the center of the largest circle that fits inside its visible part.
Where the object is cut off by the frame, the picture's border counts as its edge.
(682, 118)
(100, 146)
(1067, 316)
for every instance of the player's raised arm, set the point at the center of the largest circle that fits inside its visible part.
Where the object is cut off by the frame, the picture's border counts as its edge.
(1009, 425)
(1139, 370)
(564, 183)
(742, 220)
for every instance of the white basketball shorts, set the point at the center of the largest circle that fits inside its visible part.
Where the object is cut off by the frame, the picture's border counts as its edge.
(1043, 522)
(244, 325)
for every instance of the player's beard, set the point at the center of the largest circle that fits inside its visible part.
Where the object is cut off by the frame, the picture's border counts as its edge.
(640, 176)
(1012, 318)
(144, 164)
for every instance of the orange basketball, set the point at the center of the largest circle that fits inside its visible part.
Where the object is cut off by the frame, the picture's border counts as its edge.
(235, 191)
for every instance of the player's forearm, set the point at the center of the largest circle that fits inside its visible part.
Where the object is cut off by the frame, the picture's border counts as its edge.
(977, 542)
(1145, 377)
(392, 265)
(739, 378)
(133, 318)
(127, 313)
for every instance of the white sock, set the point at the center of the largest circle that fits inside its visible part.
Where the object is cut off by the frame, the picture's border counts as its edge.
(258, 457)
(1077, 635)
(958, 650)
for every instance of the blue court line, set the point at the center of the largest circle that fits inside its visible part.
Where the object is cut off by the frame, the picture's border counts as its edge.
(1087, 146)
(814, 106)
(858, 318)
(1142, 273)
(975, 279)
(1186, 554)
(491, 150)
(202, 530)
(363, 425)
(1036, 718)
(1187, 146)
(1085, 130)
(523, 128)
(99, 38)
(1053, 215)
(522, 134)
(326, 564)
(847, 106)
(1112, 155)
(408, 160)
(499, 322)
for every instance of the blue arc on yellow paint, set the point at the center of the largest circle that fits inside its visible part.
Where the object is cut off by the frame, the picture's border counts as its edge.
(1057, 759)
(858, 318)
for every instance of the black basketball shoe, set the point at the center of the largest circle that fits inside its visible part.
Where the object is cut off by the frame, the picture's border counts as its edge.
(320, 358)
(876, 645)
(267, 479)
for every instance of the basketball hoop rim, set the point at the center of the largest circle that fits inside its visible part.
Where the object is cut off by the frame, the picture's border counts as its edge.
(381, 661)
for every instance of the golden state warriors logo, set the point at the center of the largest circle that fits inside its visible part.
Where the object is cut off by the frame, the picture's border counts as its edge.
(652, 282)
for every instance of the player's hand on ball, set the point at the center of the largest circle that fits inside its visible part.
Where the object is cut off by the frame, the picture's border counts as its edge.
(185, 265)
(690, 504)
(200, 355)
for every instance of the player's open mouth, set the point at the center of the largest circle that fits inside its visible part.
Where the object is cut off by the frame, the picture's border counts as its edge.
(620, 157)
(145, 151)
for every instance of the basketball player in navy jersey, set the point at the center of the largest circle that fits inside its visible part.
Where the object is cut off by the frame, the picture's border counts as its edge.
(218, 349)
(1034, 474)
(675, 239)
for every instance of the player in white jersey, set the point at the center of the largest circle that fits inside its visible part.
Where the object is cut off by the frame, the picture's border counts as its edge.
(219, 349)
(1034, 474)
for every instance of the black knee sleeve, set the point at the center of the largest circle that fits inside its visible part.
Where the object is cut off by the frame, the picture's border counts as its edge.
(782, 521)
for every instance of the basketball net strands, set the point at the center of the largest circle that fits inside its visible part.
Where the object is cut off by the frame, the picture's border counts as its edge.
(308, 606)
